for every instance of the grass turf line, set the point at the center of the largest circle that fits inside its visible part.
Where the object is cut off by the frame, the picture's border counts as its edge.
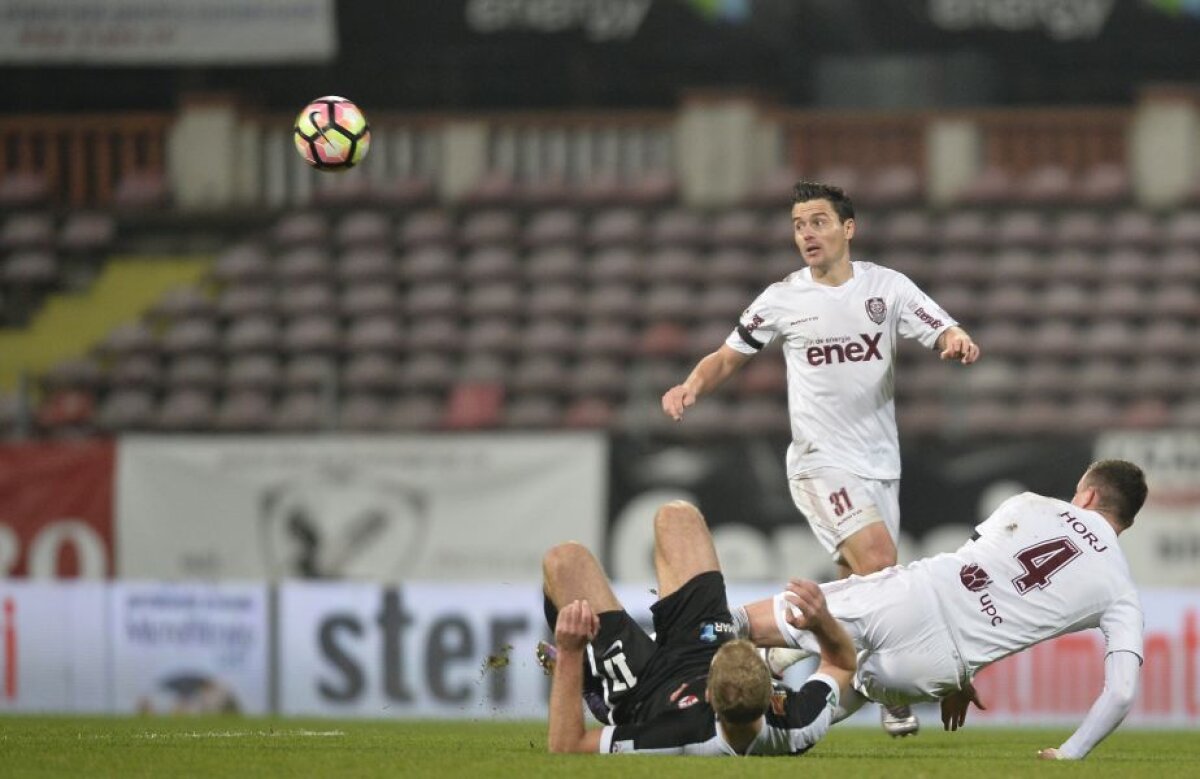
(253, 747)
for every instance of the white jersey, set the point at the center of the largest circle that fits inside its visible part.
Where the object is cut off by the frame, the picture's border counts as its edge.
(1041, 567)
(840, 348)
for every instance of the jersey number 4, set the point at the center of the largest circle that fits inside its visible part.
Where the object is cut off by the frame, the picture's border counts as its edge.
(1041, 561)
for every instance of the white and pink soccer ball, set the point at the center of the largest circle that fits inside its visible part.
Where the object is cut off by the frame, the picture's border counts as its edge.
(332, 134)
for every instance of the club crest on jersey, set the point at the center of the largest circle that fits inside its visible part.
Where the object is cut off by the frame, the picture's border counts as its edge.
(876, 310)
(974, 578)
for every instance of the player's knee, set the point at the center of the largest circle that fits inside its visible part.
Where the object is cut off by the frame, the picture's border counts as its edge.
(565, 557)
(677, 514)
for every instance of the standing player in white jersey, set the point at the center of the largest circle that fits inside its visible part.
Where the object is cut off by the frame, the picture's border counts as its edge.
(840, 321)
(1037, 568)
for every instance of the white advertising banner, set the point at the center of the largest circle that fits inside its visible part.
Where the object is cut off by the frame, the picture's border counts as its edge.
(416, 650)
(54, 651)
(445, 508)
(166, 32)
(190, 648)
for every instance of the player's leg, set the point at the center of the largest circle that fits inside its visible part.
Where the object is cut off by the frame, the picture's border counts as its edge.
(683, 547)
(571, 572)
(856, 520)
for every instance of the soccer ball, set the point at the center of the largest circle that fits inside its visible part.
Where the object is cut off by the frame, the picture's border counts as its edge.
(331, 134)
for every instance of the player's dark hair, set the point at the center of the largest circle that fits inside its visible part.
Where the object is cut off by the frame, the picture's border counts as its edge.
(805, 191)
(1120, 486)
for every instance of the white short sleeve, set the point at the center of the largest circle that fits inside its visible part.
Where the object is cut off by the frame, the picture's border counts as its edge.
(756, 327)
(920, 316)
(1123, 625)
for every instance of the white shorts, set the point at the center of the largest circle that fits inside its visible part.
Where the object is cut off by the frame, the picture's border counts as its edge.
(905, 654)
(838, 504)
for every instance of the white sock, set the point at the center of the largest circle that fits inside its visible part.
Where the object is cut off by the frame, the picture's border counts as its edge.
(779, 658)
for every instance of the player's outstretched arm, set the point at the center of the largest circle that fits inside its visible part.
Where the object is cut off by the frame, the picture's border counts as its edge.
(811, 612)
(708, 374)
(956, 344)
(1122, 671)
(576, 625)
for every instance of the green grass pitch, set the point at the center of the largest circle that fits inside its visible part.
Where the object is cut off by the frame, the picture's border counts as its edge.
(237, 747)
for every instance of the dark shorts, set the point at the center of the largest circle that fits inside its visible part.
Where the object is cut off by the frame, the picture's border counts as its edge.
(639, 673)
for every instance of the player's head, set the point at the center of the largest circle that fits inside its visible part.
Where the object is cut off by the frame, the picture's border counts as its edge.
(823, 224)
(1119, 487)
(739, 684)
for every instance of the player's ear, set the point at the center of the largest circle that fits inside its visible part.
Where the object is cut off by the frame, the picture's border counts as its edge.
(848, 226)
(1085, 498)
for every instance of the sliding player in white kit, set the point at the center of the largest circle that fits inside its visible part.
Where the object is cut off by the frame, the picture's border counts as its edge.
(1038, 568)
(840, 322)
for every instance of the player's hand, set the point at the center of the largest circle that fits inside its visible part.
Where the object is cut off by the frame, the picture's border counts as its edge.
(1051, 753)
(676, 399)
(957, 345)
(810, 609)
(577, 625)
(956, 704)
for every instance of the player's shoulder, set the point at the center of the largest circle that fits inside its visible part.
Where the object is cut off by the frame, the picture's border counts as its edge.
(879, 274)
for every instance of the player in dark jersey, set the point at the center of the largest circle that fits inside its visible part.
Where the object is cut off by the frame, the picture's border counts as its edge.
(692, 689)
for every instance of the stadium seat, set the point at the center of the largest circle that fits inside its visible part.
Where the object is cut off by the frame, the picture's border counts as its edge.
(553, 227)
(669, 301)
(598, 376)
(533, 412)
(961, 266)
(187, 410)
(614, 265)
(1102, 376)
(377, 333)
(303, 264)
(74, 373)
(1143, 414)
(1003, 301)
(499, 334)
(993, 378)
(1104, 184)
(306, 373)
(312, 334)
(365, 299)
(1023, 228)
(1046, 377)
(366, 265)
(1066, 301)
(1074, 267)
(708, 336)
(1046, 184)
(500, 299)
(1121, 299)
(1055, 338)
(474, 406)
(23, 189)
(970, 229)
(141, 191)
(129, 338)
(136, 370)
(492, 226)
(440, 334)
(993, 185)
(556, 300)
(607, 337)
(301, 228)
(722, 303)
(891, 185)
(193, 335)
(1175, 300)
(554, 264)
(127, 409)
(300, 412)
(677, 227)
(306, 299)
(245, 411)
(763, 377)
(437, 299)
(1129, 266)
(1079, 230)
(673, 264)
(593, 413)
(490, 264)
(736, 229)
(428, 265)
(30, 269)
(183, 302)
(371, 372)
(194, 371)
(1132, 227)
(32, 230)
(613, 301)
(539, 374)
(363, 228)
(85, 231)
(1186, 415)
(1179, 265)
(428, 372)
(1157, 376)
(616, 227)
(777, 265)
(1170, 338)
(760, 415)
(252, 333)
(732, 266)
(243, 264)
(667, 340)
(1003, 337)
(1182, 229)
(1044, 416)
(66, 413)
(247, 299)
(417, 412)
(430, 226)
(362, 413)
(258, 372)
(905, 229)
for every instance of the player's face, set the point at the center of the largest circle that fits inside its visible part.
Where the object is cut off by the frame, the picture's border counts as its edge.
(822, 238)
